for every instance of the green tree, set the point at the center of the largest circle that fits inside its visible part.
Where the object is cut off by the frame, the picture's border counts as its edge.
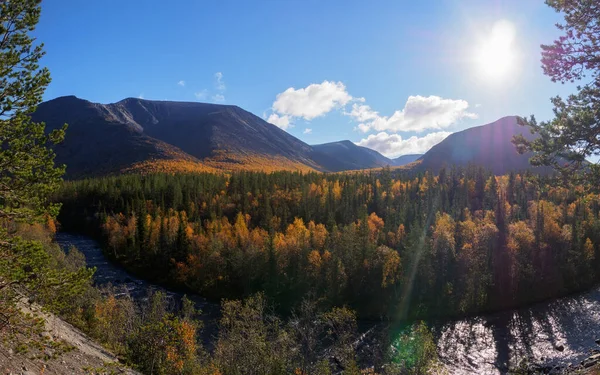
(574, 134)
(27, 172)
(414, 351)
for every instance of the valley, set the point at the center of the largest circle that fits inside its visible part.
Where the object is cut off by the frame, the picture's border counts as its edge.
(483, 344)
(303, 188)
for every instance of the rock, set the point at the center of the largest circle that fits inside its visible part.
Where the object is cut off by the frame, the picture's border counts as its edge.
(591, 361)
(560, 348)
(598, 341)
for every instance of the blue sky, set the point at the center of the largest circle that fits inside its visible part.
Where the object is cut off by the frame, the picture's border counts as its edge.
(412, 71)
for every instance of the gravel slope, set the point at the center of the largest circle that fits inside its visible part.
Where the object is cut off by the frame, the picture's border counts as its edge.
(87, 357)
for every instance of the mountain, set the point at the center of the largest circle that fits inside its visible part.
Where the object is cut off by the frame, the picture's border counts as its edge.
(488, 146)
(345, 155)
(222, 136)
(164, 136)
(98, 141)
(405, 159)
(137, 134)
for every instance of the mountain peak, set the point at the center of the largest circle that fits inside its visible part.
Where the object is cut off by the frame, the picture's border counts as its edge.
(111, 138)
(121, 136)
(487, 145)
(345, 155)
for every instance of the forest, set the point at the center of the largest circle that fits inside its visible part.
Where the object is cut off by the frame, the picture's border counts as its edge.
(383, 243)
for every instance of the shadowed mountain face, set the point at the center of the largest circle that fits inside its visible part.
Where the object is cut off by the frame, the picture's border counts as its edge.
(345, 155)
(205, 130)
(488, 146)
(112, 138)
(150, 136)
(405, 159)
(98, 141)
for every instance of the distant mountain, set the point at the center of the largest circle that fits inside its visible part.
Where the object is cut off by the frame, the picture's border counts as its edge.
(405, 159)
(98, 141)
(222, 136)
(345, 155)
(164, 136)
(137, 134)
(488, 146)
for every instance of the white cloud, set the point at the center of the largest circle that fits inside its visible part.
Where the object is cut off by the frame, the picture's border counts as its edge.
(307, 131)
(201, 95)
(282, 122)
(392, 145)
(218, 98)
(219, 85)
(181, 83)
(419, 113)
(141, 96)
(362, 112)
(312, 101)
(363, 128)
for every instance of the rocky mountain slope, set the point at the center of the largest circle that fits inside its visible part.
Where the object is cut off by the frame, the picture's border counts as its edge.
(149, 136)
(219, 135)
(136, 134)
(488, 146)
(345, 155)
(146, 135)
(84, 356)
(99, 141)
(406, 159)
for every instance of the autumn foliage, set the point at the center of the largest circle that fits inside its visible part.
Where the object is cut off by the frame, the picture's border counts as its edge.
(383, 243)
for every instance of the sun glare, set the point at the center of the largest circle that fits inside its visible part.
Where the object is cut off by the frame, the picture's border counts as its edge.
(495, 54)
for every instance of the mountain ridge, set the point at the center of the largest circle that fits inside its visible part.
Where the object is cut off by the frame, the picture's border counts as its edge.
(487, 145)
(140, 135)
(345, 155)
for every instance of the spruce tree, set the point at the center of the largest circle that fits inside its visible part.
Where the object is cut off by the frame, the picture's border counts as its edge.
(27, 172)
(574, 134)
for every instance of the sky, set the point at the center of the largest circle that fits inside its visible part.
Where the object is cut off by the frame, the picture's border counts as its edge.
(395, 76)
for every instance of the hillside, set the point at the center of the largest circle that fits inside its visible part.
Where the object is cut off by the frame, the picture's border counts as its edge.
(345, 155)
(99, 141)
(222, 136)
(405, 159)
(164, 136)
(488, 146)
(136, 134)
(84, 354)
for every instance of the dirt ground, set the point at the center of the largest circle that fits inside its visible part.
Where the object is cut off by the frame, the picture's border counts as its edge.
(75, 353)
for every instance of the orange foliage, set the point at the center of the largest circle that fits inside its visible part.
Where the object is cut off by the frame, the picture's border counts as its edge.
(170, 167)
(375, 224)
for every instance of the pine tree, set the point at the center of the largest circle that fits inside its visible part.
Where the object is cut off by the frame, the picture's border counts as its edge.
(574, 134)
(27, 171)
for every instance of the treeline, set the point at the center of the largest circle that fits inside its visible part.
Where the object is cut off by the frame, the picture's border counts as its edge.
(459, 242)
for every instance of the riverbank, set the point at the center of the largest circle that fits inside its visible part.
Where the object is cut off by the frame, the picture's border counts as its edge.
(589, 366)
(70, 351)
(552, 333)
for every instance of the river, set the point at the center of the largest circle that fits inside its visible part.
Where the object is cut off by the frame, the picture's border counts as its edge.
(553, 333)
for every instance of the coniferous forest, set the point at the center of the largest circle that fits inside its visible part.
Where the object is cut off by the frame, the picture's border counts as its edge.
(386, 244)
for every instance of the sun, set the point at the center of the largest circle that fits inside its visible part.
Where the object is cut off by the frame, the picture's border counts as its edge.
(495, 54)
